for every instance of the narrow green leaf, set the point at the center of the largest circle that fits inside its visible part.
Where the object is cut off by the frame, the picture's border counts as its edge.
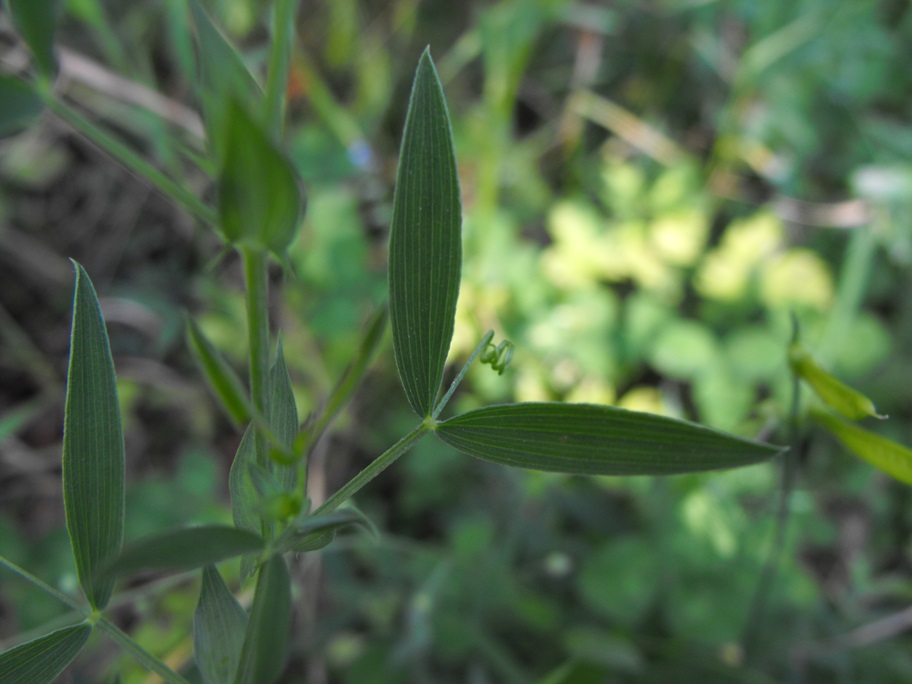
(245, 501)
(884, 454)
(425, 250)
(314, 530)
(222, 379)
(596, 440)
(223, 75)
(40, 661)
(184, 549)
(218, 629)
(283, 419)
(266, 640)
(838, 396)
(19, 105)
(260, 203)
(36, 22)
(93, 447)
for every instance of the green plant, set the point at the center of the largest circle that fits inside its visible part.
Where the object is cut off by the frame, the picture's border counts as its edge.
(258, 213)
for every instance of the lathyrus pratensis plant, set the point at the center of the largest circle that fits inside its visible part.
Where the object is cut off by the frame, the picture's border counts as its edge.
(258, 213)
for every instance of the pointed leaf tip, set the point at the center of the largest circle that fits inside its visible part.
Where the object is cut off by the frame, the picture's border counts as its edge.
(589, 439)
(93, 446)
(425, 242)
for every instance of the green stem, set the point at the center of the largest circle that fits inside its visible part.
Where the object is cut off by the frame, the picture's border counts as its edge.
(45, 587)
(377, 466)
(279, 57)
(174, 191)
(446, 397)
(146, 659)
(256, 279)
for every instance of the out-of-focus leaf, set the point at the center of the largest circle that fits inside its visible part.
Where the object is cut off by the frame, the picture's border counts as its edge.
(596, 440)
(838, 396)
(884, 454)
(260, 203)
(245, 500)
(314, 529)
(36, 22)
(425, 242)
(184, 549)
(223, 75)
(93, 447)
(19, 105)
(283, 419)
(222, 379)
(218, 629)
(40, 661)
(265, 642)
(352, 376)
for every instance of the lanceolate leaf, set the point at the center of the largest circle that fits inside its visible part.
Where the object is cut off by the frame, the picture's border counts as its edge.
(93, 447)
(223, 75)
(312, 532)
(595, 440)
(283, 419)
(259, 200)
(425, 250)
(886, 455)
(224, 382)
(218, 630)
(245, 500)
(36, 21)
(266, 640)
(184, 549)
(19, 105)
(40, 661)
(838, 396)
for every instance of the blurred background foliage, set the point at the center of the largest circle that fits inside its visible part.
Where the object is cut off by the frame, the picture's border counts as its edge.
(650, 189)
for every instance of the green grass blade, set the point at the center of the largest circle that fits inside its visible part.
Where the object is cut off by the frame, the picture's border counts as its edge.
(260, 203)
(596, 440)
(425, 250)
(184, 549)
(36, 22)
(93, 447)
(19, 105)
(40, 661)
(222, 379)
(218, 629)
(884, 454)
(266, 640)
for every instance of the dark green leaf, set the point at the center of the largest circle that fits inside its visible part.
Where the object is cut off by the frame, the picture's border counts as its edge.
(425, 251)
(184, 549)
(218, 629)
(886, 455)
(93, 447)
(265, 642)
(595, 440)
(837, 395)
(40, 661)
(259, 200)
(36, 22)
(222, 379)
(19, 105)
(283, 419)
